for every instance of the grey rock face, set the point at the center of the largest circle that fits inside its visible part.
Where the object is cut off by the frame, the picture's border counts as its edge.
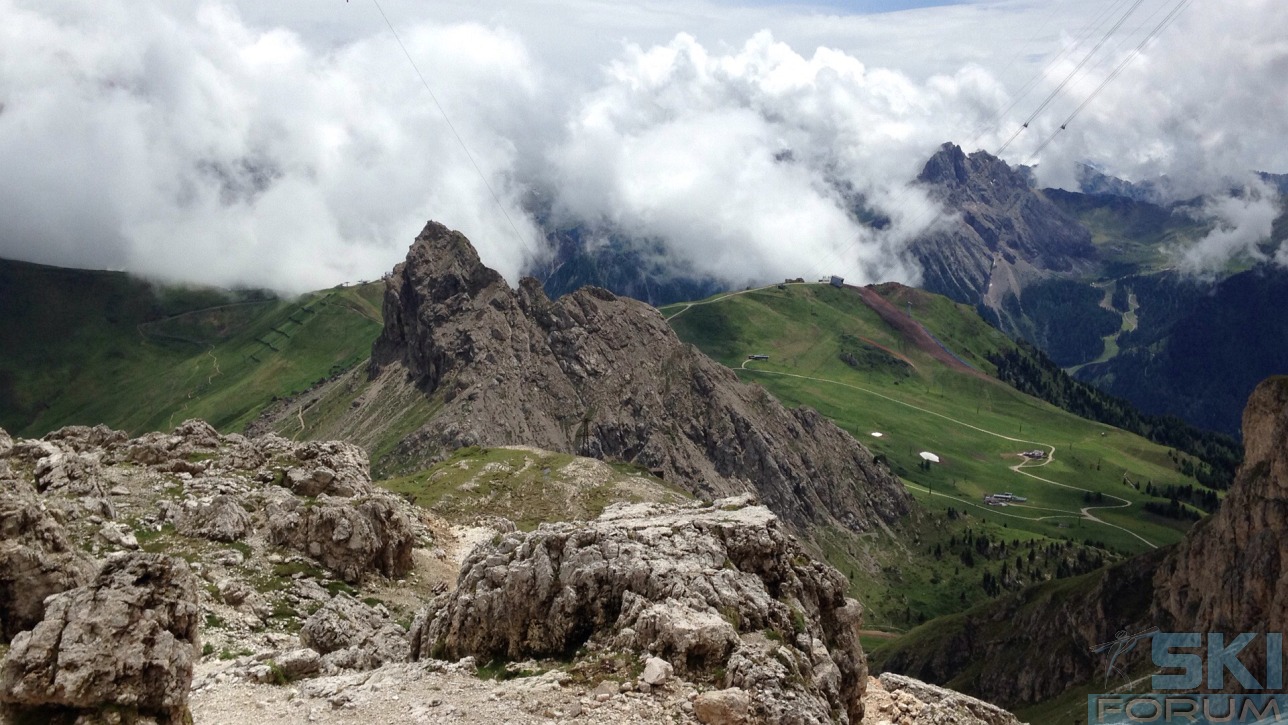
(731, 706)
(352, 537)
(127, 640)
(708, 589)
(354, 635)
(603, 376)
(1007, 232)
(223, 519)
(37, 559)
(330, 467)
(1226, 574)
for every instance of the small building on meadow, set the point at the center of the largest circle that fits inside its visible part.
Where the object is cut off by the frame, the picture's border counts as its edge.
(836, 281)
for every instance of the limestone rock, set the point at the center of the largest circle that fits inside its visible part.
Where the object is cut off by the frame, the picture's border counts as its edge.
(128, 639)
(361, 636)
(117, 535)
(83, 439)
(69, 471)
(6, 443)
(1225, 575)
(298, 663)
(37, 559)
(198, 434)
(223, 519)
(723, 707)
(351, 537)
(656, 671)
(707, 588)
(900, 700)
(331, 467)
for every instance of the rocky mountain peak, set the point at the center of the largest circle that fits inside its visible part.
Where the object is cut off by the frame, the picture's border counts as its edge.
(443, 262)
(604, 376)
(442, 273)
(1007, 234)
(947, 166)
(951, 168)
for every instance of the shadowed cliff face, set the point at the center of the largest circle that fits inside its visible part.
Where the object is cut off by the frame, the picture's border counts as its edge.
(1226, 575)
(594, 374)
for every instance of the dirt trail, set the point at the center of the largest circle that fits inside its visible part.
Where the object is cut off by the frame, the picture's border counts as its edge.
(1019, 468)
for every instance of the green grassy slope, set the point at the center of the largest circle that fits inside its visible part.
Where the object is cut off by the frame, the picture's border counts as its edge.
(829, 350)
(528, 486)
(88, 347)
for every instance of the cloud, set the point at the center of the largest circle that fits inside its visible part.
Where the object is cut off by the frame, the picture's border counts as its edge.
(1201, 104)
(291, 145)
(749, 163)
(1240, 222)
(176, 141)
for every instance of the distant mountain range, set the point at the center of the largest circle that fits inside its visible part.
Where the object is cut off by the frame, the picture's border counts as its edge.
(1087, 276)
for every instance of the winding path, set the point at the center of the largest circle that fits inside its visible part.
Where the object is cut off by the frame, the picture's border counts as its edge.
(1084, 513)
(687, 305)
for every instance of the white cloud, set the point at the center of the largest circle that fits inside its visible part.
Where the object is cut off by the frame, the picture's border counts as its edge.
(290, 144)
(1239, 223)
(183, 143)
(734, 159)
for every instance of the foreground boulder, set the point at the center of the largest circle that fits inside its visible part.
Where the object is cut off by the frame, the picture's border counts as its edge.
(354, 635)
(349, 537)
(123, 644)
(721, 592)
(37, 559)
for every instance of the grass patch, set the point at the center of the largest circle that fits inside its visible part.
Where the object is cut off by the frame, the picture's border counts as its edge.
(242, 547)
(340, 587)
(140, 356)
(500, 671)
(526, 487)
(289, 570)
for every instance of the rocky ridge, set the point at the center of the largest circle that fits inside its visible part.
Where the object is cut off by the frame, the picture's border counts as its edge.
(180, 565)
(1007, 233)
(602, 376)
(720, 593)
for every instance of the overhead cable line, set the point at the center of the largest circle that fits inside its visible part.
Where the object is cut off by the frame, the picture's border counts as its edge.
(1162, 25)
(1037, 78)
(459, 140)
(1081, 37)
(1056, 91)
